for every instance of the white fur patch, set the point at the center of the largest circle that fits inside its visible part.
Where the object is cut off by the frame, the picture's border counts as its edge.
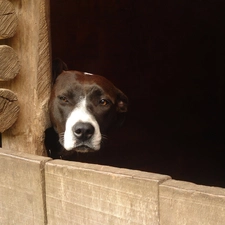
(86, 73)
(80, 114)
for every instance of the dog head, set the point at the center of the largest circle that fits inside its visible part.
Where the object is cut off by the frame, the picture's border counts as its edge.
(83, 107)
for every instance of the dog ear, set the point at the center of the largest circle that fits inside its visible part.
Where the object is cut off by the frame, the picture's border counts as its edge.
(122, 107)
(57, 68)
(122, 102)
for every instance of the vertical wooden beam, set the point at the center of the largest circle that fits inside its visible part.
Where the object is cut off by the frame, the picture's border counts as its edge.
(33, 83)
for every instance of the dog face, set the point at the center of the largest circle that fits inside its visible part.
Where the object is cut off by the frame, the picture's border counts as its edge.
(83, 108)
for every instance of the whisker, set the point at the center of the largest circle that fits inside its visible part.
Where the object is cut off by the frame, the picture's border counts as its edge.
(61, 137)
(105, 137)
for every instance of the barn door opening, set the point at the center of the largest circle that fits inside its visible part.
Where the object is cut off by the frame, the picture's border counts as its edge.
(168, 58)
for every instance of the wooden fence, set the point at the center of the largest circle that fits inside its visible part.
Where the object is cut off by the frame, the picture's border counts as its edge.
(38, 190)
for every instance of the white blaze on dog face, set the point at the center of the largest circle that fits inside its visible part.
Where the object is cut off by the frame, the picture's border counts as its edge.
(81, 114)
(89, 74)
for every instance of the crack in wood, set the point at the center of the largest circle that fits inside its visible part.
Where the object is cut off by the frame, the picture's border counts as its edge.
(10, 100)
(7, 14)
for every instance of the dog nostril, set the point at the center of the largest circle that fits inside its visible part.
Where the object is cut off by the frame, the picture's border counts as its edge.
(89, 132)
(83, 131)
(78, 131)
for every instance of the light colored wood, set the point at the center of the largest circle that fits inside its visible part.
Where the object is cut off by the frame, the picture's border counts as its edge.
(188, 203)
(8, 18)
(22, 190)
(9, 63)
(9, 109)
(79, 193)
(33, 84)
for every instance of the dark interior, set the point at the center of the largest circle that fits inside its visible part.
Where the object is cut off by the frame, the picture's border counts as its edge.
(168, 57)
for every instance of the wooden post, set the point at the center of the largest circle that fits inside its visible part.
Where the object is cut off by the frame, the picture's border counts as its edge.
(33, 83)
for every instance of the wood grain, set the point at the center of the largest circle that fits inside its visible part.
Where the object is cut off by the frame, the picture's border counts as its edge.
(9, 109)
(33, 84)
(8, 18)
(9, 63)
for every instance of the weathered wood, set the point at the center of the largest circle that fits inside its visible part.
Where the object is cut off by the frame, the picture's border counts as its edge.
(9, 63)
(188, 203)
(9, 109)
(78, 193)
(22, 191)
(8, 18)
(33, 84)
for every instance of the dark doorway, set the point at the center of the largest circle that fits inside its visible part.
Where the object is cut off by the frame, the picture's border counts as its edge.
(168, 57)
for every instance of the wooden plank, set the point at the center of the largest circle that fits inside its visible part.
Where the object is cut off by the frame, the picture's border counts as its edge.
(188, 203)
(8, 18)
(9, 63)
(9, 109)
(22, 188)
(79, 193)
(33, 84)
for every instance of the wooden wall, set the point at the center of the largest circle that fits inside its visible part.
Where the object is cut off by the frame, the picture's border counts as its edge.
(31, 43)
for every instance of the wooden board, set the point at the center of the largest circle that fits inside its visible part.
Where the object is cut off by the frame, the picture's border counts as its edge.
(33, 83)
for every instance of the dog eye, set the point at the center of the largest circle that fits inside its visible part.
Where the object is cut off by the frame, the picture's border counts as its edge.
(103, 102)
(63, 98)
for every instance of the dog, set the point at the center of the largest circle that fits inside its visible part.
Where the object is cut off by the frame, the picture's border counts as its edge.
(83, 108)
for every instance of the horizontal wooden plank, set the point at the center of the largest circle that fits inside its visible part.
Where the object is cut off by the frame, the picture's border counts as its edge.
(188, 203)
(78, 193)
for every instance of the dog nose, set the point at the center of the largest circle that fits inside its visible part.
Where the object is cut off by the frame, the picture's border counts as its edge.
(83, 131)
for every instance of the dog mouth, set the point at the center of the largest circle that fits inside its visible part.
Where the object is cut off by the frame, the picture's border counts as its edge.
(80, 146)
(83, 149)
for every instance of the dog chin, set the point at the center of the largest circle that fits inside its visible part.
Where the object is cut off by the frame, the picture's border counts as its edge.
(83, 149)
